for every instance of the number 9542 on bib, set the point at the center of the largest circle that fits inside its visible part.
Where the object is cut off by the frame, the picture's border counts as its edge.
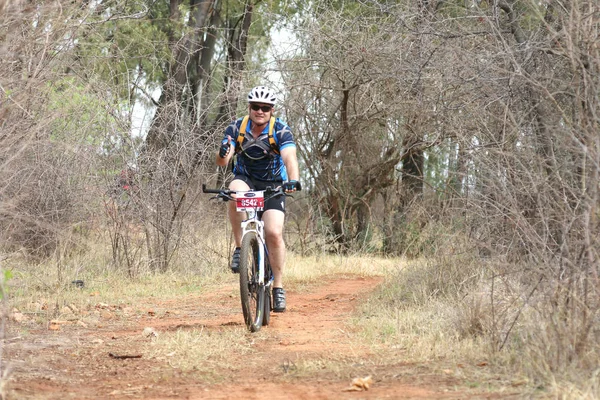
(248, 201)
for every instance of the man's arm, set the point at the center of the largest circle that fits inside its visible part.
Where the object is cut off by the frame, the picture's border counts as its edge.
(291, 162)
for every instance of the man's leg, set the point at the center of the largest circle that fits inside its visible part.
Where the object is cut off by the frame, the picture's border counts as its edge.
(236, 218)
(274, 220)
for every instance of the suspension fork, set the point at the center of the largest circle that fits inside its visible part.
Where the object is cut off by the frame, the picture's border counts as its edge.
(257, 226)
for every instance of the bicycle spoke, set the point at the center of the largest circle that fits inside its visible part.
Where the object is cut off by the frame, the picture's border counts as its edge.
(252, 293)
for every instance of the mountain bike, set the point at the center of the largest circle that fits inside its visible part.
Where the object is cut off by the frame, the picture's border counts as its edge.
(256, 276)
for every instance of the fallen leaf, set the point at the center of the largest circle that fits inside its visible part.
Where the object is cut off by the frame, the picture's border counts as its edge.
(54, 326)
(360, 384)
(149, 332)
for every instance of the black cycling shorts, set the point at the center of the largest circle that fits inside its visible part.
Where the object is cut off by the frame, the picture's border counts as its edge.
(274, 203)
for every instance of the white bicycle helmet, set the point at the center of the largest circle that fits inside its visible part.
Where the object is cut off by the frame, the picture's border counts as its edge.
(262, 94)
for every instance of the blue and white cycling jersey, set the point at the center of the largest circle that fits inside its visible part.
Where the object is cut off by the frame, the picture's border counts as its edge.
(258, 160)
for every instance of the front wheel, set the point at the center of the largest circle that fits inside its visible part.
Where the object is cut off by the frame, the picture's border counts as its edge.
(267, 315)
(252, 294)
(268, 288)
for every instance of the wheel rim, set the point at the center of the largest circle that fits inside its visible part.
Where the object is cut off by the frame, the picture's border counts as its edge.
(253, 289)
(252, 293)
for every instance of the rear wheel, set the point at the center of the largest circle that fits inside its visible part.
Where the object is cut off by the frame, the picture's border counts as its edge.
(252, 294)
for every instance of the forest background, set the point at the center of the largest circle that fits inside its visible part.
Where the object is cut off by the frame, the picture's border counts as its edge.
(461, 133)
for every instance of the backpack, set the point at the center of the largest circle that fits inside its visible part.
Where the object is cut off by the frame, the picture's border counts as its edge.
(242, 134)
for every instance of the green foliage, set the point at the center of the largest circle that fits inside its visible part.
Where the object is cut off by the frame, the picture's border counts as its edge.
(127, 47)
(77, 114)
(267, 18)
(5, 276)
(347, 8)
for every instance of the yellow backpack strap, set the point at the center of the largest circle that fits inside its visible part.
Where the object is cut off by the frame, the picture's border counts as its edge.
(242, 132)
(272, 141)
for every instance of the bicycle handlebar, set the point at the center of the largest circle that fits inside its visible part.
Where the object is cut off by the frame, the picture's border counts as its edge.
(216, 191)
(226, 194)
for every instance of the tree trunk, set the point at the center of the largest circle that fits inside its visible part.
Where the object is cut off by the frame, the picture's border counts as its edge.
(236, 53)
(171, 112)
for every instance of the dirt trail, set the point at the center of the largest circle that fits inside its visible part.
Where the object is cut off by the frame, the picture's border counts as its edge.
(73, 362)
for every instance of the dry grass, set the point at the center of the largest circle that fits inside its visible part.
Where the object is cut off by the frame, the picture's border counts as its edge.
(203, 351)
(449, 312)
(341, 366)
(43, 289)
(308, 270)
(427, 311)
(419, 333)
(202, 262)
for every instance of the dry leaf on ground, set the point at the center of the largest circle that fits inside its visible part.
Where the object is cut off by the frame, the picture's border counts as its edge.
(55, 324)
(360, 384)
(149, 332)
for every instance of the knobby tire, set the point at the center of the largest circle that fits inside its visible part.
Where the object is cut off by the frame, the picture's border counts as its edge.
(267, 309)
(268, 289)
(252, 294)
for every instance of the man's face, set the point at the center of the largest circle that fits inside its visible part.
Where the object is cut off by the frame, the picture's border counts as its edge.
(260, 113)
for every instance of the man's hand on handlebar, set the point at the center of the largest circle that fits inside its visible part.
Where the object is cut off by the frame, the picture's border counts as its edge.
(291, 186)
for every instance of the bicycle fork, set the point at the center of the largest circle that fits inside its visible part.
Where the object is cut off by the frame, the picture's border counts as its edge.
(257, 226)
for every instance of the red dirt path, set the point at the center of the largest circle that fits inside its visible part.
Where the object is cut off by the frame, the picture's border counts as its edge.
(73, 362)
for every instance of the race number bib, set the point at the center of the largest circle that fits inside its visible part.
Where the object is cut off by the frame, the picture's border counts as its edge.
(250, 201)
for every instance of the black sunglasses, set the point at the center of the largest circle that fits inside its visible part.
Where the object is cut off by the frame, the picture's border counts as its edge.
(256, 107)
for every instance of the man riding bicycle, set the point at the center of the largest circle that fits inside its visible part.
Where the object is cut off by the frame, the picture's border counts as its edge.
(266, 156)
